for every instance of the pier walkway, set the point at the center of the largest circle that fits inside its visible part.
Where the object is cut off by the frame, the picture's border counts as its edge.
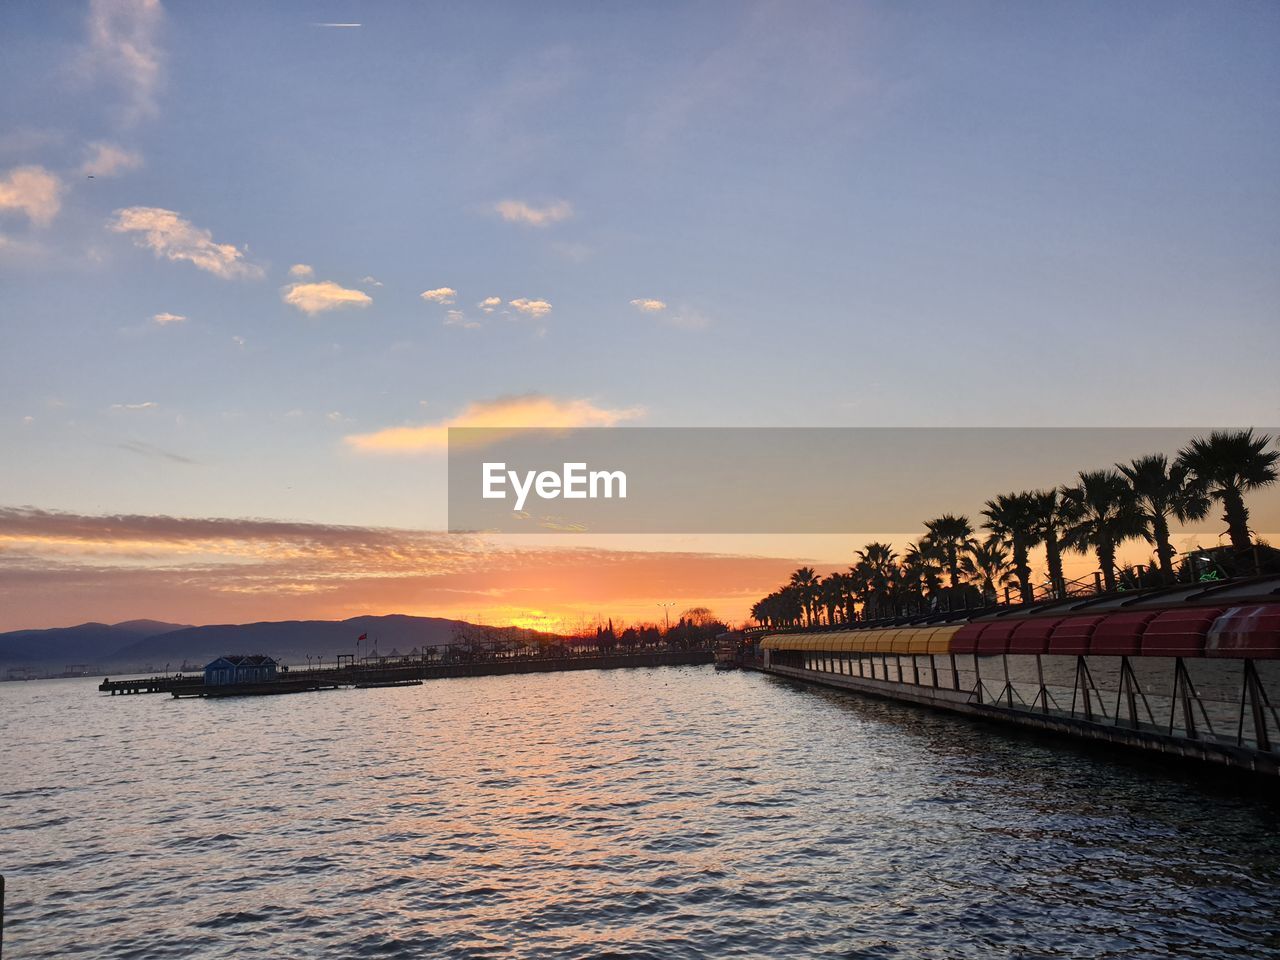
(407, 670)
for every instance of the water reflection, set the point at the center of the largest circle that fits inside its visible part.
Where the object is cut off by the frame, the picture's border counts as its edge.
(647, 813)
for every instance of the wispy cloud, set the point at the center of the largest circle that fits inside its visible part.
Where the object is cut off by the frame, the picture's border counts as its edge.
(167, 318)
(531, 308)
(168, 235)
(219, 570)
(109, 160)
(31, 190)
(371, 281)
(573, 252)
(313, 298)
(443, 295)
(649, 305)
(490, 304)
(456, 318)
(301, 271)
(151, 450)
(145, 405)
(687, 318)
(526, 410)
(517, 211)
(124, 48)
(346, 26)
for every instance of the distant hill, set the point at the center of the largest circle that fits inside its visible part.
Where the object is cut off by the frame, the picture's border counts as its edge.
(139, 644)
(87, 643)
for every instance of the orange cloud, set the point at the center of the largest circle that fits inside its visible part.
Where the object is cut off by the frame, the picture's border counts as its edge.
(110, 160)
(168, 235)
(58, 568)
(528, 410)
(313, 298)
(517, 211)
(33, 191)
(443, 295)
(531, 308)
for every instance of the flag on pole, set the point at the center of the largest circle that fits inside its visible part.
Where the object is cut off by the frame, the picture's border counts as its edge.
(363, 636)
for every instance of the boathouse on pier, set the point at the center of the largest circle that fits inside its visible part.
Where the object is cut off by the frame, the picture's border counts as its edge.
(239, 668)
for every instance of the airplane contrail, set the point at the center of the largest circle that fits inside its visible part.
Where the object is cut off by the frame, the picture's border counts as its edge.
(337, 24)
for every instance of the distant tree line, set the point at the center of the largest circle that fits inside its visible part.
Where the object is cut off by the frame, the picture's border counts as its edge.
(950, 566)
(695, 628)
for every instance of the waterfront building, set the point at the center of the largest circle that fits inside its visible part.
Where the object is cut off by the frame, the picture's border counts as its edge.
(239, 668)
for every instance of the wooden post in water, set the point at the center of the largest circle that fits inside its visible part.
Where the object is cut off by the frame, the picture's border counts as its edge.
(1, 915)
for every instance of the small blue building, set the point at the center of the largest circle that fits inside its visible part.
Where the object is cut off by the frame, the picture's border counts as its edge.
(239, 668)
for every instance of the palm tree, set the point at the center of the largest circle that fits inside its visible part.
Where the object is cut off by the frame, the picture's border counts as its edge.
(1049, 523)
(1226, 466)
(951, 535)
(831, 596)
(1103, 514)
(986, 565)
(1012, 520)
(1162, 491)
(876, 577)
(922, 569)
(805, 581)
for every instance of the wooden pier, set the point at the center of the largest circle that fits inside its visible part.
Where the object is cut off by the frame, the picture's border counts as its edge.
(405, 671)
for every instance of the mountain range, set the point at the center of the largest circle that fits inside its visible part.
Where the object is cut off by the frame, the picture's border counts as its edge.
(137, 645)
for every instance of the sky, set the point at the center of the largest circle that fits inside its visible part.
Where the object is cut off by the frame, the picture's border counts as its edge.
(253, 257)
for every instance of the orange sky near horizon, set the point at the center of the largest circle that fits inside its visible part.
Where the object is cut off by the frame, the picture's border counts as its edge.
(62, 569)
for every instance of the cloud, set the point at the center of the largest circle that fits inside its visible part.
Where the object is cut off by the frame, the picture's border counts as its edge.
(59, 568)
(301, 271)
(573, 252)
(123, 47)
(456, 318)
(67, 567)
(166, 318)
(339, 25)
(532, 308)
(313, 298)
(688, 319)
(145, 405)
(371, 281)
(527, 410)
(109, 160)
(490, 304)
(517, 211)
(649, 306)
(32, 190)
(238, 341)
(443, 295)
(168, 235)
(151, 450)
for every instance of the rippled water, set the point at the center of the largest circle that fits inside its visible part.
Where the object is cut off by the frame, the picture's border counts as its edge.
(670, 812)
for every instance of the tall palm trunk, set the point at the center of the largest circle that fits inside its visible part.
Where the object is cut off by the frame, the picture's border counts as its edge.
(1053, 560)
(1022, 570)
(1236, 515)
(1164, 549)
(1107, 561)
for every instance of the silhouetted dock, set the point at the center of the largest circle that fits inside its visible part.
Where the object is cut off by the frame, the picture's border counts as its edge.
(405, 671)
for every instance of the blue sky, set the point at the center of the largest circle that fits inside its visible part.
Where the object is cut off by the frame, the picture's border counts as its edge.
(863, 214)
